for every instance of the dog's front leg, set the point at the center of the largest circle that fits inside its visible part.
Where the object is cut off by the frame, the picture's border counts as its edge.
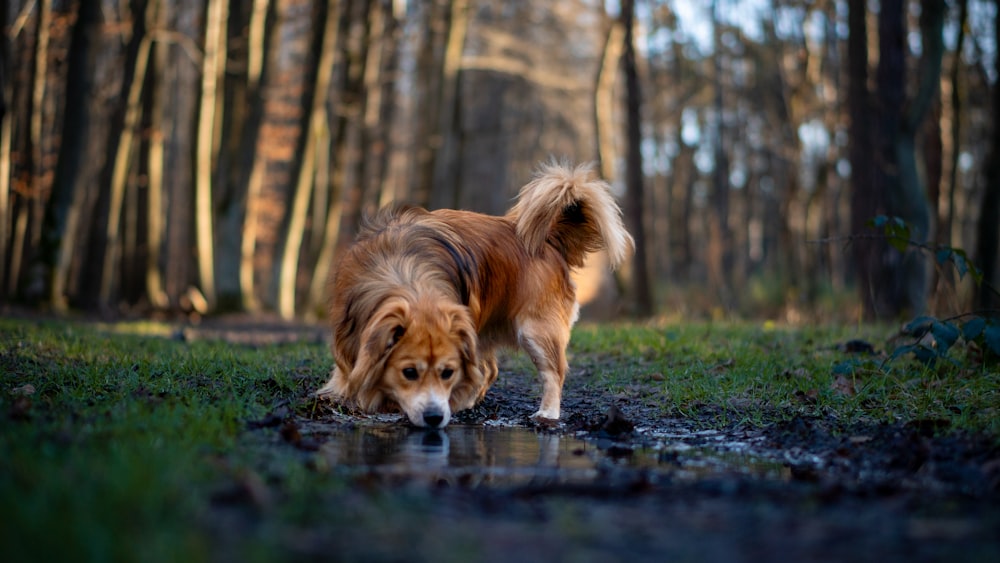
(336, 386)
(490, 371)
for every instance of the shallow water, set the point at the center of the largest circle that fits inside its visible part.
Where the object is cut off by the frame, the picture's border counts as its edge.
(511, 456)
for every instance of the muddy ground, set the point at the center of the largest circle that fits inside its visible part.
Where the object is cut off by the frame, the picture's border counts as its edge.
(802, 490)
(625, 482)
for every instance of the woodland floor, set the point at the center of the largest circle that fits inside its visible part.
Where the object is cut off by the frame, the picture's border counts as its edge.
(620, 478)
(809, 488)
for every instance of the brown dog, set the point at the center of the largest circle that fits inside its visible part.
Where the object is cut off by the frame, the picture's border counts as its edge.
(422, 300)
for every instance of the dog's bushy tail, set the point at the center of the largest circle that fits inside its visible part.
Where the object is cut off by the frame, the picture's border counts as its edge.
(574, 211)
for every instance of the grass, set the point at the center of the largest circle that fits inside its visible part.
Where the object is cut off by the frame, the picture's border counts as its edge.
(124, 437)
(123, 443)
(762, 373)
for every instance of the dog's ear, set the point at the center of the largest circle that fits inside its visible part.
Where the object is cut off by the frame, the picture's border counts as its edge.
(386, 327)
(463, 331)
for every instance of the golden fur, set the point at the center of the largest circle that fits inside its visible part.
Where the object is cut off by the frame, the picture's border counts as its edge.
(422, 300)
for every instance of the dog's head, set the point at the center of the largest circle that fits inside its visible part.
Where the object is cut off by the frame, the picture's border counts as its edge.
(422, 354)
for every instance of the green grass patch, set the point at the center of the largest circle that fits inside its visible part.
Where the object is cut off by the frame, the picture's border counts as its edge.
(760, 373)
(113, 444)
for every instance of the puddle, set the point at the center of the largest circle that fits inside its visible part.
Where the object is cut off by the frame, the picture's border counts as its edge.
(510, 456)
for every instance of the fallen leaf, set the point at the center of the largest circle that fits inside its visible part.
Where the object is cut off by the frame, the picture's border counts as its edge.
(615, 423)
(807, 397)
(724, 365)
(843, 385)
(20, 409)
(856, 346)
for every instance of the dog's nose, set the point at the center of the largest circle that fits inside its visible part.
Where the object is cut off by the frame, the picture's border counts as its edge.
(433, 418)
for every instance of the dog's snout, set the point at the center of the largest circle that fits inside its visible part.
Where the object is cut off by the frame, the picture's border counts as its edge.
(433, 417)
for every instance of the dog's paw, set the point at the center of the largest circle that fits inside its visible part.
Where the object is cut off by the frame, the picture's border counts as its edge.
(545, 419)
(326, 392)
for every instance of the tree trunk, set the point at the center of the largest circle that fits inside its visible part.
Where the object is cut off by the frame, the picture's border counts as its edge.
(237, 196)
(75, 221)
(155, 153)
(988, 227)
(866, 199)
(318, 134)
(910, 201)
(604, 97)
(212, 80)
(6, 131)
(720, 243)
(891, 283)
(944, 279)
(121, 167)
(33, 136)
(381, 109)
(279, 141)
(444, 190)
(179, 81)
(429, 82)
(634, 190)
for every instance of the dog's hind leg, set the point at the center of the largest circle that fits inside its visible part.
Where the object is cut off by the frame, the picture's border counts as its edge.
(547, 349)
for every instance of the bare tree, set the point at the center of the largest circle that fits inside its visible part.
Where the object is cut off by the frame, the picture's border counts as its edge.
(884, 176)
(635, 190)
(286, 76)
(988, 227)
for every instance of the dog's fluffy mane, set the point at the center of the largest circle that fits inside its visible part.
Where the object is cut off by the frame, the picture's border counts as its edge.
(412, 264)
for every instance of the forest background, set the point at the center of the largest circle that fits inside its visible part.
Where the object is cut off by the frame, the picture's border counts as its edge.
(216, 155)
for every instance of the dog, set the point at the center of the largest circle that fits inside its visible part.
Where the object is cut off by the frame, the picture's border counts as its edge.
(423, 299)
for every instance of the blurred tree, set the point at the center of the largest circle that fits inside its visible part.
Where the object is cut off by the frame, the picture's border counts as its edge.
(988, 228)
(720, 234)
(884, 175)
(153, 157)
(634, 185)
(286, 75)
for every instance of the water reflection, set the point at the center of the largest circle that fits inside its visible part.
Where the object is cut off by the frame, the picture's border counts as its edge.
(484, 455)
(489, 455)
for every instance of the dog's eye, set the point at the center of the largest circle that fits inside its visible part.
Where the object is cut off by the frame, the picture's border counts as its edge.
(411, 374)
(446, 374)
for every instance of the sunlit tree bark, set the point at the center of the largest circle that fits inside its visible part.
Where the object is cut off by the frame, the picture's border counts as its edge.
(286, 78)
(444, 191)
(604, 98)
(212, 75)
(179, 80)
(121, 166)
(943, 283)
(429, 81)
(317, 136)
